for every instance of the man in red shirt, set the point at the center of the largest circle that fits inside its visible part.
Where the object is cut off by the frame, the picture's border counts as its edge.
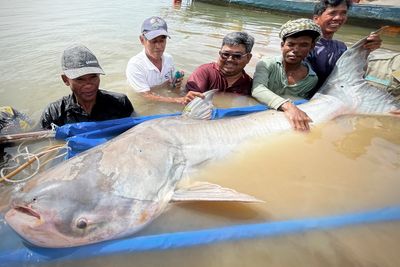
(227, 74)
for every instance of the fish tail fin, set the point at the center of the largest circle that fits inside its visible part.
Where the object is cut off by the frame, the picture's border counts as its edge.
(200, 108)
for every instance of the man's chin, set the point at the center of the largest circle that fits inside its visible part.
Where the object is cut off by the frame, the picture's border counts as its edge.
(293, 61)
(89, 97)
(230, 71)
(333, 29)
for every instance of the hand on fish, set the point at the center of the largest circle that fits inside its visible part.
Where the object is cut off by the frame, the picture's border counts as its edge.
(298, 119)
(189, 97)
(374, 41)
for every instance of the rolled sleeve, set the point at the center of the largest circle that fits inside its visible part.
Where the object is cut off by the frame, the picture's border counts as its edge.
(198, 81)
(260, 91)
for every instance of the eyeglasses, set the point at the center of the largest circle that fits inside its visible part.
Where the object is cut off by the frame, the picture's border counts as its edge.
(235, 56)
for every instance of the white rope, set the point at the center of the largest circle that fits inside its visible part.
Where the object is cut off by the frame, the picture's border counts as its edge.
(28, 156)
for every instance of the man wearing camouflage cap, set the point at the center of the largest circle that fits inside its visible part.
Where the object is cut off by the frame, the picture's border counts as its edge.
(278, 80)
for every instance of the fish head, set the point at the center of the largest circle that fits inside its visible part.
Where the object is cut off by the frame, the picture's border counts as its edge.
(68, 214)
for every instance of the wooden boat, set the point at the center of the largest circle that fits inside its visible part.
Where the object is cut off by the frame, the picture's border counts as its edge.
(374, 13)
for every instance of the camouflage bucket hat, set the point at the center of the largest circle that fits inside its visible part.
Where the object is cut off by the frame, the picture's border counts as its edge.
(298, 25)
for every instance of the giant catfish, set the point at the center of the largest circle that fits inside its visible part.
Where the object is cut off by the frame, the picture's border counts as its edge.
(114, 190)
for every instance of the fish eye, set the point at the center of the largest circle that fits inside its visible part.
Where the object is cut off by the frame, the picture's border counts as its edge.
(81, 223)
(34, 199)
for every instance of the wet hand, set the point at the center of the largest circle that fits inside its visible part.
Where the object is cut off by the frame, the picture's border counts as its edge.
(297, 118)
(190, 96)
(177, 82)
(374, 41)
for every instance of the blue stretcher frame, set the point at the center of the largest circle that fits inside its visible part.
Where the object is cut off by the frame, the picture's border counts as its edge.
(85, 135)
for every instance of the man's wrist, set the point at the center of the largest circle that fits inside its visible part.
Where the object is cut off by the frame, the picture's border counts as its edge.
(285, 105)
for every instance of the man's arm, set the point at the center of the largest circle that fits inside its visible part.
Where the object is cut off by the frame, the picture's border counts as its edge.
(136, 78)
(198, 81)
(260, 90)
(297, 118)
(180, 100)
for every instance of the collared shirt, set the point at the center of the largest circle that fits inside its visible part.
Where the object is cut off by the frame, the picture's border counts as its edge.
(142, 74)
(323, 58)
(270, 84)
(109, 105)
(208, 77)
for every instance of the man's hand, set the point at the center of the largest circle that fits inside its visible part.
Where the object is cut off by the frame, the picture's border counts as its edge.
(374, 41)
(177, 83)
(297, 118)
(190, 96)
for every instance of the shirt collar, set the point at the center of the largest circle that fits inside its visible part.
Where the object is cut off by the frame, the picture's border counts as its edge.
(72, 103)
(279, 59)
(149, 64)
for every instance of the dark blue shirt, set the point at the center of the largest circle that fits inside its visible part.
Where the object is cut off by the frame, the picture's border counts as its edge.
(323, 58)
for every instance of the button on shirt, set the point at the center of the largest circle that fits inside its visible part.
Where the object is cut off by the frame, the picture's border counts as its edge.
(142, 74)
(270, 83)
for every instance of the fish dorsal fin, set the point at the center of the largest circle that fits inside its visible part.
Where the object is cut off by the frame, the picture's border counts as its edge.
(200, 108)
(364, 40)
(203, 191)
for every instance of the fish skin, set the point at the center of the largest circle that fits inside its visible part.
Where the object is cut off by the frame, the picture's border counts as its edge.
(116, 189)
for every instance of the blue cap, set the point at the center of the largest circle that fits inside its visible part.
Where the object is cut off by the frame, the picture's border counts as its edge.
(154, 27)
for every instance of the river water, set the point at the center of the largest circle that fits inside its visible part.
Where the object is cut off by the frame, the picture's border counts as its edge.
(350, 164)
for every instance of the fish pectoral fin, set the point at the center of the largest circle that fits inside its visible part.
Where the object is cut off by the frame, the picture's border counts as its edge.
(203, 191)
(199, 108)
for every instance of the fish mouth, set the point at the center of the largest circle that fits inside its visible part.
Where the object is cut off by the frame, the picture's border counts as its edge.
(27, 211)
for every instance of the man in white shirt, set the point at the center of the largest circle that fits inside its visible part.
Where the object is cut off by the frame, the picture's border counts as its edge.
(152, 68)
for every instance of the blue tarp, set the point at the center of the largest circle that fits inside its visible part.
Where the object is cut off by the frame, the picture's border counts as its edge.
(85, 135)
(29, 254)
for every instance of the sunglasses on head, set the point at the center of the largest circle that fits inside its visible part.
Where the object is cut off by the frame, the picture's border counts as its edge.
(235, 56)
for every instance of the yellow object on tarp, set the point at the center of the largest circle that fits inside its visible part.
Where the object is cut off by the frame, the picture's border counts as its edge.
(13, 121)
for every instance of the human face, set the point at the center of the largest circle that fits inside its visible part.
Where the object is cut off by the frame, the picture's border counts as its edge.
(84, 88)
(294, 50)
(154, 48)
(332, 19)
(230, 66)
